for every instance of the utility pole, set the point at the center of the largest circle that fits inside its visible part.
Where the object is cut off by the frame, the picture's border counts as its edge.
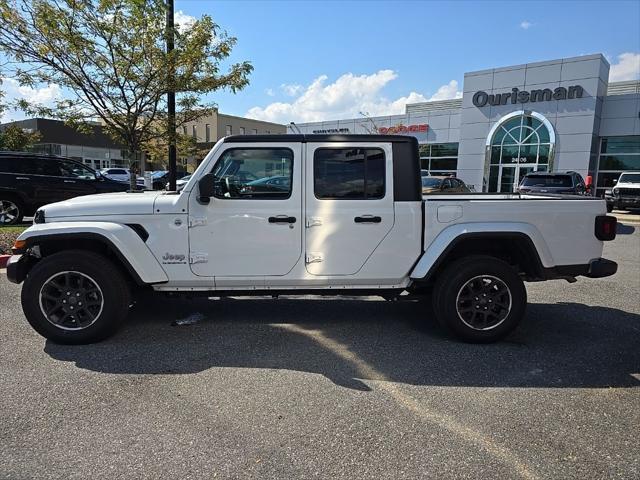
(171, 99)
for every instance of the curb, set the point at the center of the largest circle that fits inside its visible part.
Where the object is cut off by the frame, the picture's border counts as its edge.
(3, 260)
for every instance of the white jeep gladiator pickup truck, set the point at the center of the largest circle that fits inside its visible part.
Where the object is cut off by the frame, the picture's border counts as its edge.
(304, 214)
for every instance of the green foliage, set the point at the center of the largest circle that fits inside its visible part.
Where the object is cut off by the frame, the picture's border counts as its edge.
(157, 150)
(17, 139)
(109, 56)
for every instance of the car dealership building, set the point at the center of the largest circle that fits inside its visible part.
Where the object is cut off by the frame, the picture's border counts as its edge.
(556, 115)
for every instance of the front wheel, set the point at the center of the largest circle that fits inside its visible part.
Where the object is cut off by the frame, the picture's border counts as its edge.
(480, 299)
(75, 297)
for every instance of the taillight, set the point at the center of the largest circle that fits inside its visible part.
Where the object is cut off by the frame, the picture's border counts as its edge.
(605, 227)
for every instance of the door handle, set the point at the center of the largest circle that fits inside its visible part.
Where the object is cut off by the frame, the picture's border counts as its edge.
(23, 178)
(367, 219)
(282, 219)
(69, 181)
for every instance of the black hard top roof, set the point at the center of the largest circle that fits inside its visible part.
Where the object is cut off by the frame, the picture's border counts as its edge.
(319, 138)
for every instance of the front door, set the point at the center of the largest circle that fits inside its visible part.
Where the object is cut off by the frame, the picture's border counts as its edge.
(253, 224)
(349, 205)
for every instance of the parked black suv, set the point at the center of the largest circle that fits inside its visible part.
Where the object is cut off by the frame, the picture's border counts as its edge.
(28, 181)
(568, 183)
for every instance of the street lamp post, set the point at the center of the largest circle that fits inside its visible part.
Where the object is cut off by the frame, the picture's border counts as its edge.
(171, 99)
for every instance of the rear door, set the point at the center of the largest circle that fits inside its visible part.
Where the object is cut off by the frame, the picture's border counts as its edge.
(349, 205)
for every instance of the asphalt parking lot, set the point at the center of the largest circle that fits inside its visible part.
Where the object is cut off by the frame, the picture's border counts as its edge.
(353, 388)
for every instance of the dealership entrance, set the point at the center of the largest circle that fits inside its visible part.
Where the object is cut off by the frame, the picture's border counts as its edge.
(519, 143)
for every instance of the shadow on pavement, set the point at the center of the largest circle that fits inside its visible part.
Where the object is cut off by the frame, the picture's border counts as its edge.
(558, 345)
(623, 229)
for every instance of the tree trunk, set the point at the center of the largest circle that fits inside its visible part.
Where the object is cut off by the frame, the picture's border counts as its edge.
(133, 171)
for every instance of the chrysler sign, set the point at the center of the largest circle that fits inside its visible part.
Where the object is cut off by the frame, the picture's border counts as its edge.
(480, 99)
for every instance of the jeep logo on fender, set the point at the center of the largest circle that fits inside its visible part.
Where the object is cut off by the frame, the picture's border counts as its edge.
(481, 98)
(173, 258)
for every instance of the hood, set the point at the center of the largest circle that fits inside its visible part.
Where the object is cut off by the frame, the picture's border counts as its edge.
(120, 203)
(627, 185)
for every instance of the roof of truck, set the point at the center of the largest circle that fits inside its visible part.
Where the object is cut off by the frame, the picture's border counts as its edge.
(319, 138)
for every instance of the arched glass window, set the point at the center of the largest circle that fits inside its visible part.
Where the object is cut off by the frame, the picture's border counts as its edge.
(520, 143)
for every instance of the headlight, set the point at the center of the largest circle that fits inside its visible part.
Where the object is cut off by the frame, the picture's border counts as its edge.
(39, 217)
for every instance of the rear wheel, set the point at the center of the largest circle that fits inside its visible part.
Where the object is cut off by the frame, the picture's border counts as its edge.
(11, 211)
(480, 299)
(75, 297)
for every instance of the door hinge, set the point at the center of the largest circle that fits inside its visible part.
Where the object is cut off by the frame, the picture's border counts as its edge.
(314, 257)
(198, 258)
(197, 221)
(314, 221)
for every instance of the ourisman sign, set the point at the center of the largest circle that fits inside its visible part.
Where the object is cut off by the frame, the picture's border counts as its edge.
(480, 99)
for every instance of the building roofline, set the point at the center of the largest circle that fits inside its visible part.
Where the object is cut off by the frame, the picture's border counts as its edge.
(251, 119)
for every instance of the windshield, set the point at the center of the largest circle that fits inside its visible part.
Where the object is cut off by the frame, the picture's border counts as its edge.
(629, 178)
(158, 174)
(547, 181)
(431, 182)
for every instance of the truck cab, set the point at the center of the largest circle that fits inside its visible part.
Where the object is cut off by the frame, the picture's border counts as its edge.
(300, 214)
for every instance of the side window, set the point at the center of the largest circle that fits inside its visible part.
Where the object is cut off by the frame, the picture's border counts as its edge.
(349, 173)
(75, 170)
(446, 184)
(8, 165)
(48, 167)
(254, 173)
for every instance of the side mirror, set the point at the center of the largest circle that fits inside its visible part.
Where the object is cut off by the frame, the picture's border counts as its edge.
(206, 185)
(615, 180)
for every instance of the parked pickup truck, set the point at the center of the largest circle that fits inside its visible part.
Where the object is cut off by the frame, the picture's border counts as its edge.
(346, 216)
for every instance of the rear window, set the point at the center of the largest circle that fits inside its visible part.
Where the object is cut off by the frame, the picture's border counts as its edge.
(349, 173)
(547, 181)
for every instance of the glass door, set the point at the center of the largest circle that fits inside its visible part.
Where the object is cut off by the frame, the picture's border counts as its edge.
(508, 178)
(512, 175)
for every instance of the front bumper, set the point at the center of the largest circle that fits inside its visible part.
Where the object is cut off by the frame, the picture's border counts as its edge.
(17, 268)
(626, 201)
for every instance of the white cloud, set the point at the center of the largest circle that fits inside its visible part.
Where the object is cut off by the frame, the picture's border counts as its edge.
(292, 89)
(627, 68)
(525, 25)
(447, 92)
(346, 97)
(270, 92)
(46, 95)
(183, 21)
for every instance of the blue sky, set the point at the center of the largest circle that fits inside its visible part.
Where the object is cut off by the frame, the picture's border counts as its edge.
(331, 59)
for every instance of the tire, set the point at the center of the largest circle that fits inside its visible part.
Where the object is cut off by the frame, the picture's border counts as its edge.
(609, 208)
(11, 211)
(500, 293)
(81, 275)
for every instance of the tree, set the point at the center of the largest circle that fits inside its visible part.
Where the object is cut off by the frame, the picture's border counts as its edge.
(109, 57)
(17, 139)
(156, 149)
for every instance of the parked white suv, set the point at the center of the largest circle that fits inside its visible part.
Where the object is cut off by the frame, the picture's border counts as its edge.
(349, 219)
(626, 192)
